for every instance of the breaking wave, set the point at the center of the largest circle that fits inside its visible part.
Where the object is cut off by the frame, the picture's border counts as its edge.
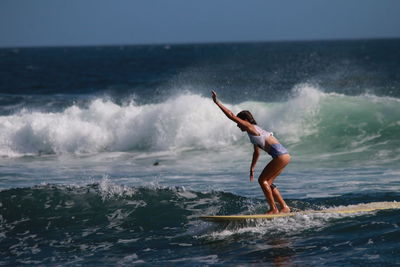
(310, 122)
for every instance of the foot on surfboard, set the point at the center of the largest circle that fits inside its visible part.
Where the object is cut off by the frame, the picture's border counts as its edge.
(274, 211)
(285, 209)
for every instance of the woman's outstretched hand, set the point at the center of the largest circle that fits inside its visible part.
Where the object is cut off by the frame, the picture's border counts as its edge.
(214, 96)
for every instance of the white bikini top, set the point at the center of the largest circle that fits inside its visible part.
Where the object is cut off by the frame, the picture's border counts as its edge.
(259, 140)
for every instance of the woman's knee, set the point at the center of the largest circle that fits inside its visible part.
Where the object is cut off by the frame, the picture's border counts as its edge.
(263, 182)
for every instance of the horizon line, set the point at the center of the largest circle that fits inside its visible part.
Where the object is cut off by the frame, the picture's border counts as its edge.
(200, 43)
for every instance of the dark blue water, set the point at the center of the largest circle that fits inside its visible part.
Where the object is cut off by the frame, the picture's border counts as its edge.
(108, 155)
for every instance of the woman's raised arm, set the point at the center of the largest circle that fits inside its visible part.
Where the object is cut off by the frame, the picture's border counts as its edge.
(245, 124)
(224, 109)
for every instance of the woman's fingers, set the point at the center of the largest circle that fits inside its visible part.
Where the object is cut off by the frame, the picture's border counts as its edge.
(214, 95)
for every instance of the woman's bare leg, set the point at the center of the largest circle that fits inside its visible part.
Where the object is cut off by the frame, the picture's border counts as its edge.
(278, 197)
(269, 196)
(267, 176)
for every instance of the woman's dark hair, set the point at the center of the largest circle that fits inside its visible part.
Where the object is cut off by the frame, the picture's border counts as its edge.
(247, 116)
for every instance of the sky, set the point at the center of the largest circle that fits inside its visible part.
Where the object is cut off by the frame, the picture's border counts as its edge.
(109, 22)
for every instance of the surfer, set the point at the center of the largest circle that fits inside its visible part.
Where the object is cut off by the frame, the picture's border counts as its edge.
(267, 142)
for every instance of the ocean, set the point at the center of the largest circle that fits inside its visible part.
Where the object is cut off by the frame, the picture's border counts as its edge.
(109, 155)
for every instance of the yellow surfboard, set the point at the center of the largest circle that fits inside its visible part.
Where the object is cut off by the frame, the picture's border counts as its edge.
(360, 208)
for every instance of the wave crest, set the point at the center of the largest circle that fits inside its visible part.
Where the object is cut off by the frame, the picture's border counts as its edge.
(185, 121)
(310, 121)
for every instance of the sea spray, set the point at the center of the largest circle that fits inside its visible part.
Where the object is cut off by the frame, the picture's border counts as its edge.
(185, 121)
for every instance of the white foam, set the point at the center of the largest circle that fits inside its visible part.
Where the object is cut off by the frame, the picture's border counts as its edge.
(188, 121)
(285, 226)
(185, 121)
(110, 190)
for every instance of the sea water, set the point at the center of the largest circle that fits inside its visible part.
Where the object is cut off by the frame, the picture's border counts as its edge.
(108, 155)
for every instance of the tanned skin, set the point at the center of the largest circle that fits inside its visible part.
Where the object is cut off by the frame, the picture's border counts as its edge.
(273, 168)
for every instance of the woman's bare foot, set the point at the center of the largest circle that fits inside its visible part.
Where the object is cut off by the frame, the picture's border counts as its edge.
(273, 211)
(285, 209)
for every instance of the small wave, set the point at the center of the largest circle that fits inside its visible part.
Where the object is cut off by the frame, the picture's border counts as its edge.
(114, 205)
(88, 220)
(175, 205)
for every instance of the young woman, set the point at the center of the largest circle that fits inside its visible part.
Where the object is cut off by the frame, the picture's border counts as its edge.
(266, 141)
